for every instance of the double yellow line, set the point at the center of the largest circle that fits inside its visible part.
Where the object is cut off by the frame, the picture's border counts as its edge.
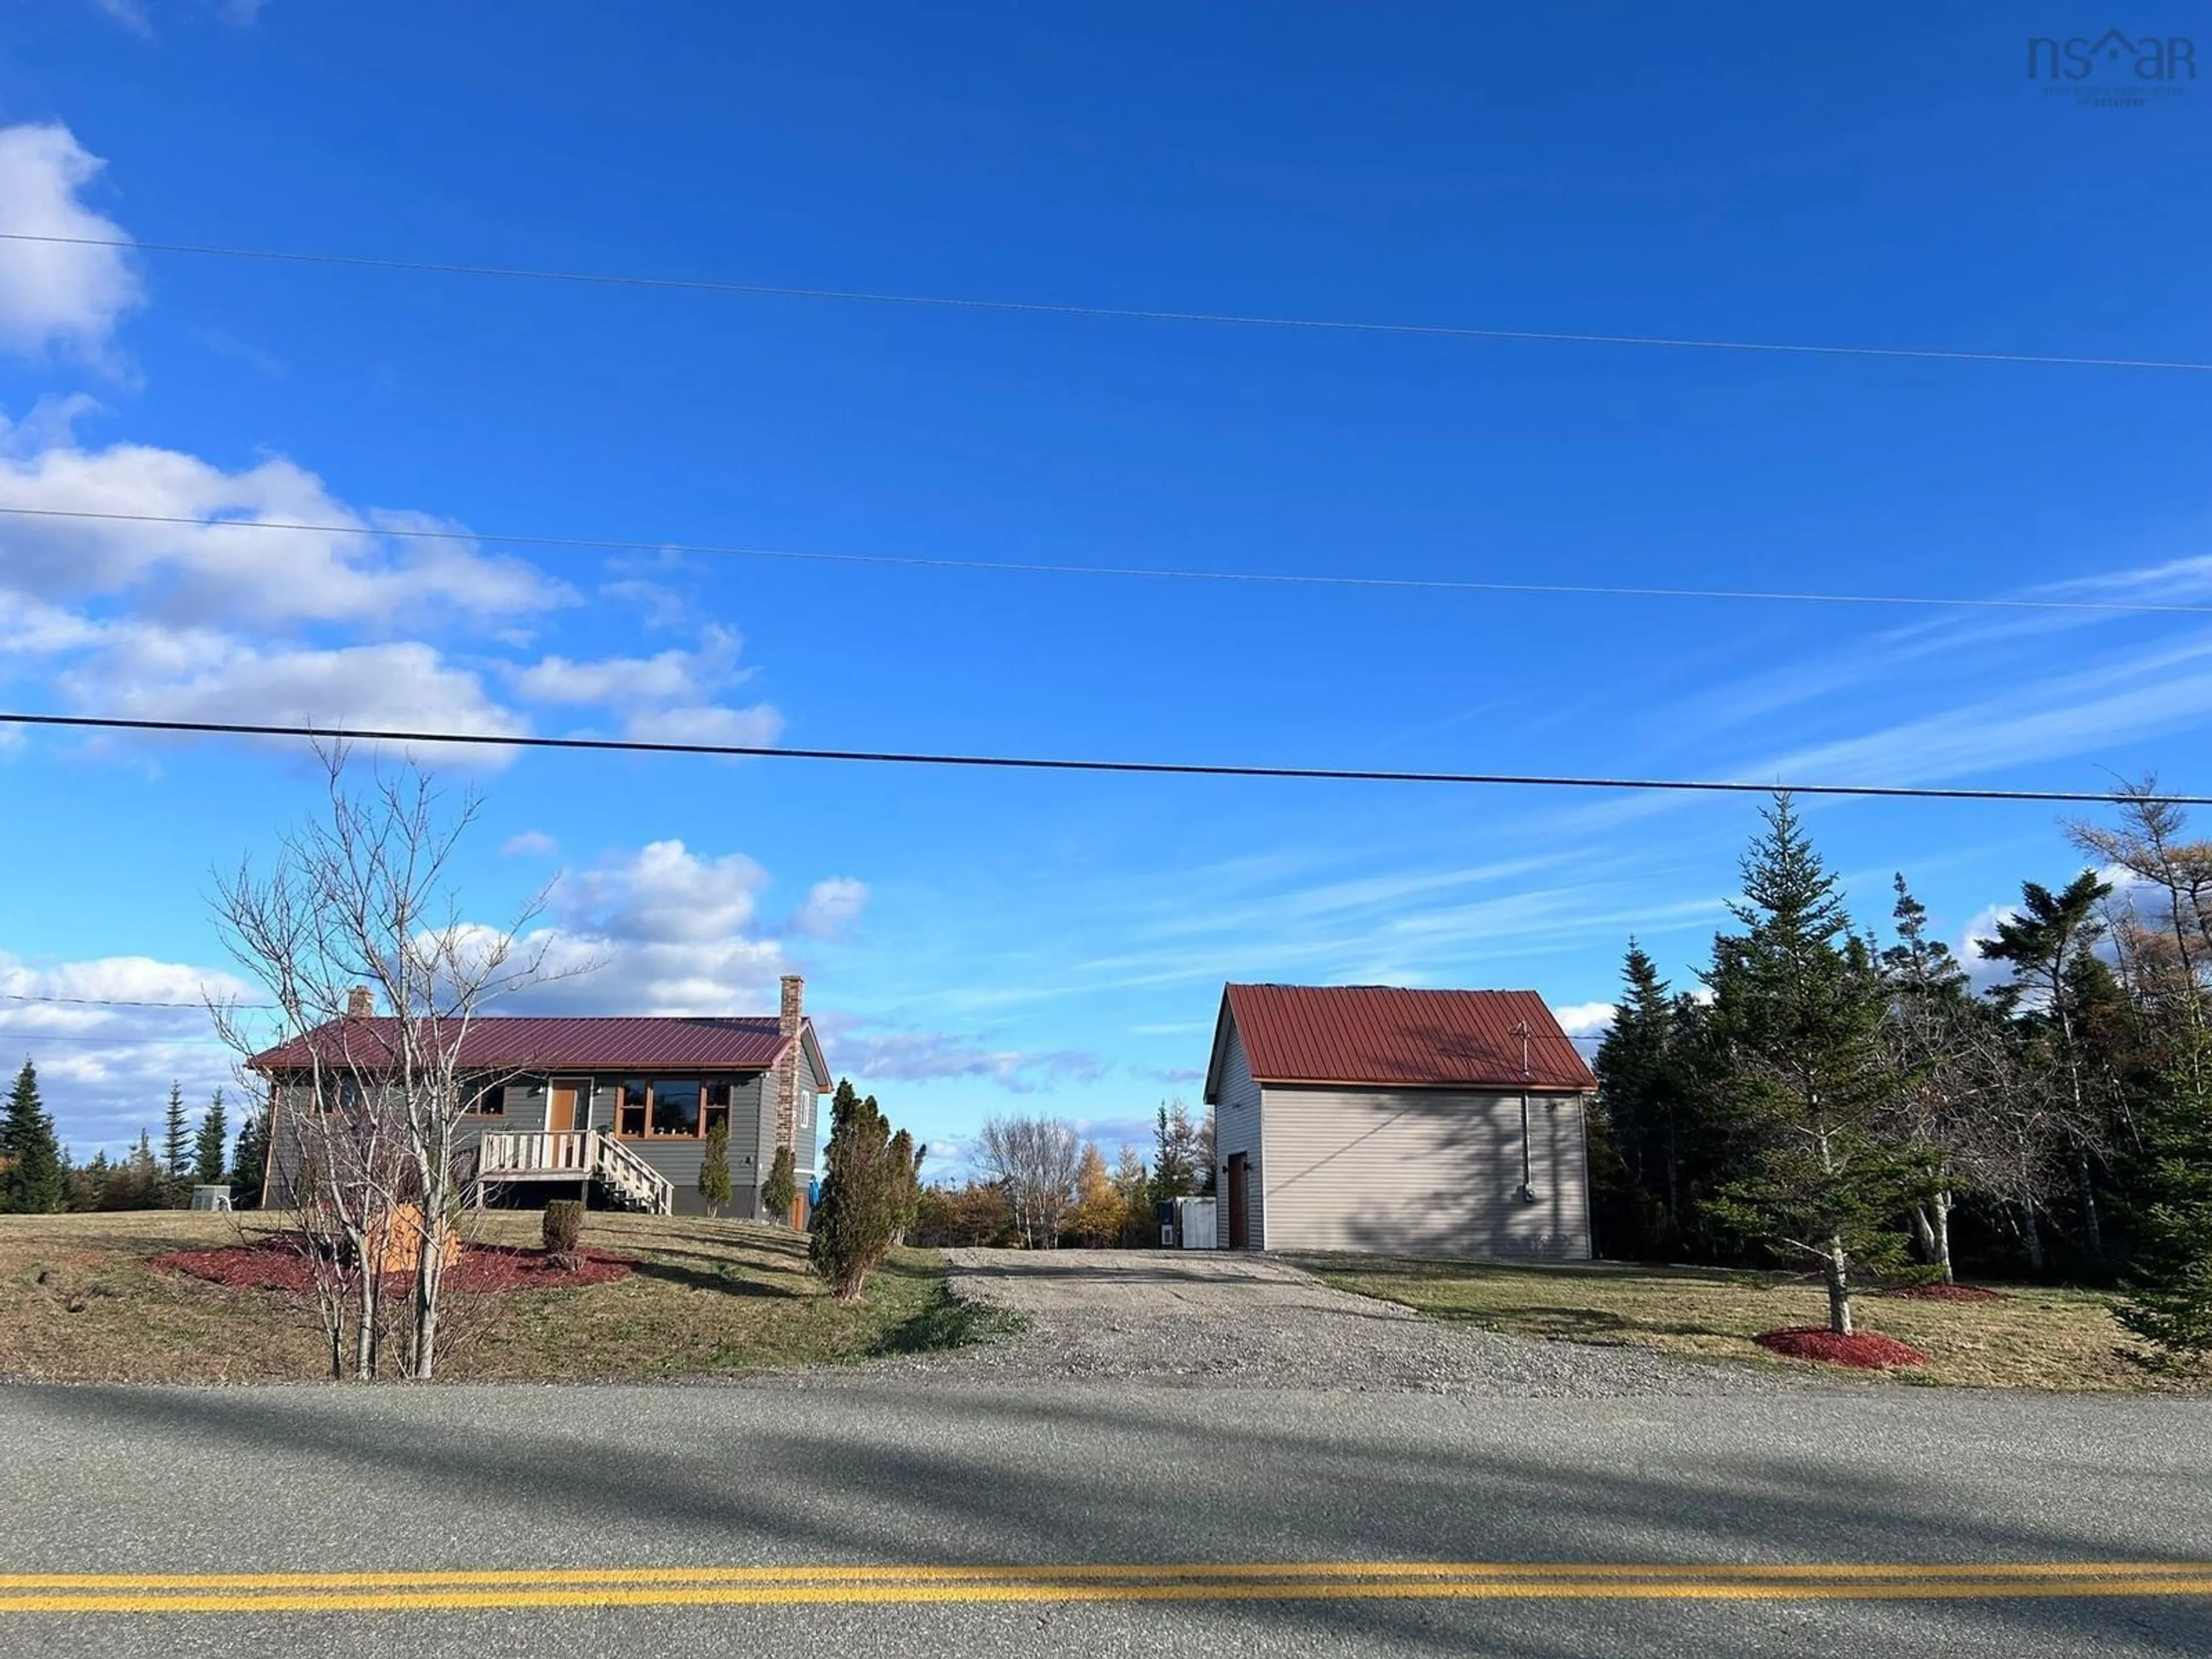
(812, 1586)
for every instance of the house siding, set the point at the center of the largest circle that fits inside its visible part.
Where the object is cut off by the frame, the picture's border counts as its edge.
(1417, 1171)
(527, 1099)
(1237, 1127)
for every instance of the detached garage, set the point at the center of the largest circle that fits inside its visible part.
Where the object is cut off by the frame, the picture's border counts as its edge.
(1365, 1117)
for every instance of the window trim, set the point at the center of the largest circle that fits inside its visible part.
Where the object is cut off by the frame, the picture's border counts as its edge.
(703, 1081)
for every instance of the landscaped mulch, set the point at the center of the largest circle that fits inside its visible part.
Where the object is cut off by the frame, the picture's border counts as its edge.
(275, 1264)
(1868, 1351)
(1949, 1293)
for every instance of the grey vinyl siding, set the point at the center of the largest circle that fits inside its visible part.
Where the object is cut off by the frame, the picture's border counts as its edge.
(528, 1100)
(1237, 1127)
(1424, 1172)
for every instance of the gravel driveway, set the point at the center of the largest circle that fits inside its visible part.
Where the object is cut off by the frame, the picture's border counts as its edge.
(1218, 1320)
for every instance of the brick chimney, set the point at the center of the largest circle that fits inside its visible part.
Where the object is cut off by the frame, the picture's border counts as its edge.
(360, 1003)
(788, 1021)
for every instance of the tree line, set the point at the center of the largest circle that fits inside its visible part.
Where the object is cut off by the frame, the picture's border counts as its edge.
(1848, 1100)
(38, 1176)
(1041, 1185)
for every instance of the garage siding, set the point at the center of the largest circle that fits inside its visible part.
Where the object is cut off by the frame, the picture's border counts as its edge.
(1236, 1129)
(1422, 1171)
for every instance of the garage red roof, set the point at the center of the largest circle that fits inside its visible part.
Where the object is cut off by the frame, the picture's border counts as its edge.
(515, 1041)
(1389, 1038)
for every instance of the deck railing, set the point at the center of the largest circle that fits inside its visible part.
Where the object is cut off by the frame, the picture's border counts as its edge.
(584, 1154)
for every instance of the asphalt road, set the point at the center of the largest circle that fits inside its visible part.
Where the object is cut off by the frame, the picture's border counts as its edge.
(802, 1472)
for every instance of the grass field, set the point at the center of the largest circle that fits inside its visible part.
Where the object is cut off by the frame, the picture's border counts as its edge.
(78, 1303)
(2037, 1338)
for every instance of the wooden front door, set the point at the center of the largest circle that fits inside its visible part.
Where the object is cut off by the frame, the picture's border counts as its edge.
(568, 1105)
(1240, 1229)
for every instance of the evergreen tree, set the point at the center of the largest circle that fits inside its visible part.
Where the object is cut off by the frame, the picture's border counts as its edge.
(781, 1190)
(87, 1183)
(176, 1143)
(137, 1182)
(211, 1144)
(31, 1181)
(2171, 1304)
(1796, 1009)
(1175, 1151)
(2172, 1257)
(714, 1166)
(863, 1188)
(250, 1160)
(1641, 1098)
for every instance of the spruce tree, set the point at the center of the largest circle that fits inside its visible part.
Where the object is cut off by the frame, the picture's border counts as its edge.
(176, 1143)
(249, 1161)
(1640, 1092)
(715, 1167)
(211, 1145)
(31, 1181)
(1797, 1007)
(863, 1189)
(2171, 1307)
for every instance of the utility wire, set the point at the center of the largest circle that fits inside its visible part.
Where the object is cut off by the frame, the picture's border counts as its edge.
(120, 1002)
(1040, 308)
(1046, 764)
(603, 544)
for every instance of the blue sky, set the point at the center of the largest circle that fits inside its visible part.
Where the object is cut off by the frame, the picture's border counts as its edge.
(979, 943)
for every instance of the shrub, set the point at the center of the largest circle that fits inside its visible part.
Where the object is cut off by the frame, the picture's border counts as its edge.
(781, 1190)
(715, 1167)
(563, 1227)
(864, 1191)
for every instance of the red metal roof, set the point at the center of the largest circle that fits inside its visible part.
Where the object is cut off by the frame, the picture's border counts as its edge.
(527, 1042)
(1383, 1036)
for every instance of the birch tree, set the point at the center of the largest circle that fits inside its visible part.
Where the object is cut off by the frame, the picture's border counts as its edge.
(362, 896)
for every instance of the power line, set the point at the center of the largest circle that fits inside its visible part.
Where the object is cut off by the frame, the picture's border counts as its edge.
(605, 544)
(1120, 313)
(1048, 763)
(121, 1002)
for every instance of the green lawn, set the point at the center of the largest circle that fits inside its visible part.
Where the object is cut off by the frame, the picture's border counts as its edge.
(2037, 1338)
(78, 1303)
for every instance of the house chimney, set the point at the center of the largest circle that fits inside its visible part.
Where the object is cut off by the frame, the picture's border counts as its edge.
(788, 1022)
(360, 1003)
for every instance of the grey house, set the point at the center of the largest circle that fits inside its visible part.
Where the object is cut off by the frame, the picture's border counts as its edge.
(1364, 1117)
(615, 1110)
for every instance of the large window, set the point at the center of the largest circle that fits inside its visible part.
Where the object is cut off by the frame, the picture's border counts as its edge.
(670, 1107)
(675, 1107)
(486, 1097)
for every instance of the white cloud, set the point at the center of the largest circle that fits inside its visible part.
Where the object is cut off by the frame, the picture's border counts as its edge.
(233, 571)
(105, 1070)
(530, 843)
(757, 727)
(53, 294)
(833, 904)
(660, 931)
(145, 672)
(1579, 1019)
(127, 14)
(622, 682)
(925, 1056)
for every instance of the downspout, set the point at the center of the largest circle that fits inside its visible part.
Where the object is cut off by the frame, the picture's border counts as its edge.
(1527, 1174)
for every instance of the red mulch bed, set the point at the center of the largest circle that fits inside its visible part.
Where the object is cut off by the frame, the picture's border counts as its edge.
(275, 1264)
(1950, 1294)
(1869, 1350)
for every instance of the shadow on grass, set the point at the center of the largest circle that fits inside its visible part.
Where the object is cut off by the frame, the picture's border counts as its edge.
(723, 1283)
(941, 1322)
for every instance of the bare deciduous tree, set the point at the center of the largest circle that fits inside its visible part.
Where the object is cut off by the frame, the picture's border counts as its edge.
(1035, 1162)
(360, 897)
